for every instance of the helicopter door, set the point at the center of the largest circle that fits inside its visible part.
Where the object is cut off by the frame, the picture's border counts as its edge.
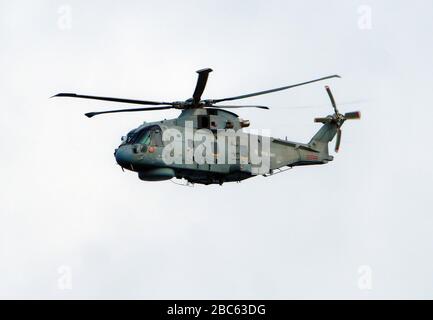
(204, 166)
(156, 137)
(155, 141)
(222, 166)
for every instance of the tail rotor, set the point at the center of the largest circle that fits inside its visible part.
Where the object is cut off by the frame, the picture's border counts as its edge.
(337, 118)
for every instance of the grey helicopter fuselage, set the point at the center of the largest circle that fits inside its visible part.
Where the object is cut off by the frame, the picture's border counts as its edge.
(142, 150)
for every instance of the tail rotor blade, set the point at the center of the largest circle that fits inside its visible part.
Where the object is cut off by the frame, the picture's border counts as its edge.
(334, 105)
(337, 143)
(353, 115)
(321, 120)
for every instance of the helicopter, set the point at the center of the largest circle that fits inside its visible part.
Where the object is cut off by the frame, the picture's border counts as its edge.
(149, 149)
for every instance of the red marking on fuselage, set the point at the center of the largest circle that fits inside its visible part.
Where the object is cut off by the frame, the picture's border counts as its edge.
(312, 157)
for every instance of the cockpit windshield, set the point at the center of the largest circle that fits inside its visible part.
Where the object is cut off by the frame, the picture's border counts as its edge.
(150, 136)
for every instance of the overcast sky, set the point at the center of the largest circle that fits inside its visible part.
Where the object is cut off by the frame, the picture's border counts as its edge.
(73, 225)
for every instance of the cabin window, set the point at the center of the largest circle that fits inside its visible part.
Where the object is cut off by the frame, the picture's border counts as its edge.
(203, 122)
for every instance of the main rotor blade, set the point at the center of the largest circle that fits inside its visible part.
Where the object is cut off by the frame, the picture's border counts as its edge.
(273, 90)
(201, 84)
(237, 107)
(337, 143)
(334, 105)
(121, 100)
(92, 114)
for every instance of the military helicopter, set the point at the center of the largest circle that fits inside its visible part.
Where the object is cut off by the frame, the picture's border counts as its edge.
(142, 150)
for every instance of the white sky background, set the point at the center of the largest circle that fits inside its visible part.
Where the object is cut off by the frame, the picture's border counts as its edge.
(301, 234)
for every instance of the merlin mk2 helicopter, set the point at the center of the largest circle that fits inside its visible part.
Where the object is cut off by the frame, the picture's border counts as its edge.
(142, 150)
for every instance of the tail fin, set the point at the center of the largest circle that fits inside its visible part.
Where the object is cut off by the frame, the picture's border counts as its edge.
(325, 135)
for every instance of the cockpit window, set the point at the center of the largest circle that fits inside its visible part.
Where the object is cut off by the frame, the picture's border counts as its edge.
(129, 137)
(150, 136)
(143, 137)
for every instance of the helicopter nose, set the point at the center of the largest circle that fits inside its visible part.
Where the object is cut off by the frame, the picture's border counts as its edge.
(124, 157)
